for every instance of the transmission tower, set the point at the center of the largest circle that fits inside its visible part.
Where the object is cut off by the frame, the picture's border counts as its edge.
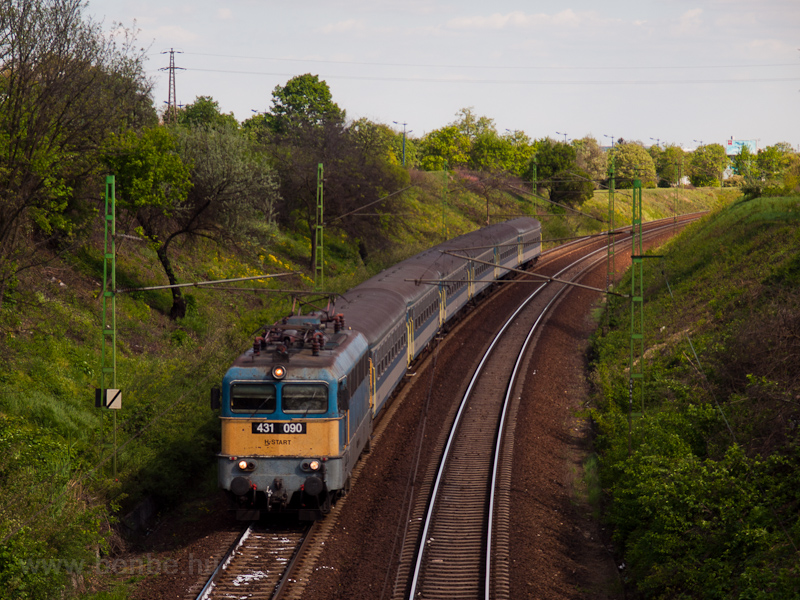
(171, 115)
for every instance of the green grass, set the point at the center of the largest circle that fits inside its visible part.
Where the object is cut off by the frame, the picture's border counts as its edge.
(707, 497)
(660, 203)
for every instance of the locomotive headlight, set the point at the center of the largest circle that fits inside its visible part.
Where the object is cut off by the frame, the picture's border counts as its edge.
(279, 371)
(246, 465)
(311, 465)
(243, 465)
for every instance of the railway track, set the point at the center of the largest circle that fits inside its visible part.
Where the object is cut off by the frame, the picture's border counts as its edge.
(258, 565)
(453, 520)
(263, 563)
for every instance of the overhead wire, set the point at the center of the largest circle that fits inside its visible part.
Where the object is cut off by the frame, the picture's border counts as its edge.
(495, 67)
(513, 81)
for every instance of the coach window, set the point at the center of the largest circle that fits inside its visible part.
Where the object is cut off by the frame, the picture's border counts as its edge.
(304, 398)
(253, 398)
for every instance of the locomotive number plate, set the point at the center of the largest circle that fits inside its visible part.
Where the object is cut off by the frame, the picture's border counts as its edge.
(279, 428)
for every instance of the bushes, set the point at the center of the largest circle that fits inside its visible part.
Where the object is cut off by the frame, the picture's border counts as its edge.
(57, 527)
(706, 528)
(704, 495)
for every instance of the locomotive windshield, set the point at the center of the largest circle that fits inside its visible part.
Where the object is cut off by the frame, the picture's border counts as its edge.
(250, 397)
(304, 398)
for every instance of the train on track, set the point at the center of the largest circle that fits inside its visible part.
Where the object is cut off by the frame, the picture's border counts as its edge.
(297, 409)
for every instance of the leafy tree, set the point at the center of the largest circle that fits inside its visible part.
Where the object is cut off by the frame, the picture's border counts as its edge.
(522, 155)
(233, 186)
(707, 165)
(670, 166)
(472, 126)
(303, 101)
(791, 176)
(772, 161)
(510, 154)
(632, 161)
(205, 111)
(485, 184)
(64, 87)
(589, 157)
(152, 186)
(744, 163)
(558, 172)
(490, 152)
(359, 169)
(190, 182)
(359, 161)
(554, 159)
(444, 148)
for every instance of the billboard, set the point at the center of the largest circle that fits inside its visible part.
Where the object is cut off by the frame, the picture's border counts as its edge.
(734, 147)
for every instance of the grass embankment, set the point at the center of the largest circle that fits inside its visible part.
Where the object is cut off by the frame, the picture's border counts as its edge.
(704, 490)
(659, 203)
(60, 492)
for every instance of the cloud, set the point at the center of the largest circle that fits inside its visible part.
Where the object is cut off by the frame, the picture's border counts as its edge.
(171, 34)
(225, 13)
(770, 49)
(521, 20)
(348, 26)
(690, 22)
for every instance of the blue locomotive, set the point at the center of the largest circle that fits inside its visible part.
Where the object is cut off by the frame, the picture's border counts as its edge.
(297, 409)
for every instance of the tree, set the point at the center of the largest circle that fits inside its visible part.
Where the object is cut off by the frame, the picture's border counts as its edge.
(444, 148)
(484, 183)
(707, 165)
(510, 154)
(490, 152)
(233, 186)
(64, 87)
(632, 161)
(360, 164)
(191, 182)
(589, 157)
(670, 166)
(744, 163)
(152, 184)
(558, 172)
(521, 157)
(303, 101)
(359, 171)
(772, 161)
(471, 125)
(205, 111)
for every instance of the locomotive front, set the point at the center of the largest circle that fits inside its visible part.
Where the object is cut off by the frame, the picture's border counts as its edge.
(284, 409)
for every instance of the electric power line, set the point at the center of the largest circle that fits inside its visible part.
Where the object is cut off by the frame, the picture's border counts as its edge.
(516, 81)
(496, 67)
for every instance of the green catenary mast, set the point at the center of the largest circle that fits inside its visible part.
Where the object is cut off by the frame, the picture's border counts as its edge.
(318, 259)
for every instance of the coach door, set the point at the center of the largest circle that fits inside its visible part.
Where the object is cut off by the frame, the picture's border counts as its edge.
(410, 335)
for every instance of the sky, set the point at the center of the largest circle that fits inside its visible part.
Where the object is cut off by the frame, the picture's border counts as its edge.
(659, 71)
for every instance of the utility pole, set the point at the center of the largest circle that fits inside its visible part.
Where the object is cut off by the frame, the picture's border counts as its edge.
(109, 397)
(637, 296)
(404, 138)
(611, 265)
(318, 230)
(172, 99)
(446, 190)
